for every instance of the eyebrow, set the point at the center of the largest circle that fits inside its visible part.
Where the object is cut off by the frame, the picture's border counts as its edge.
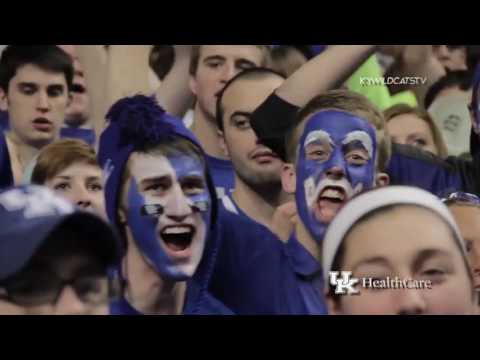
(243, 60)
(56, 87)
(93, 178)
(32, 84)
(156, 179)
(66, 177)
(359, 136)
(24, 83)
(213, 57)
(319, 136)
(428, 254)
(376, 260)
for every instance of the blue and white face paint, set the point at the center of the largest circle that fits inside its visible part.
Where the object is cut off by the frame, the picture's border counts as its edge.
(169, 212)
(336, 160)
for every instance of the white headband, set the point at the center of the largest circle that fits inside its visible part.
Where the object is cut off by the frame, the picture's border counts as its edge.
(365, 203)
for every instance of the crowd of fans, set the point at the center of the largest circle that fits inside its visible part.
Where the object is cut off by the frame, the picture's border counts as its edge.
(239, 179)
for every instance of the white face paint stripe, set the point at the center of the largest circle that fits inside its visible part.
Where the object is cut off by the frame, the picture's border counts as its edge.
(361, 136)
(318, 135)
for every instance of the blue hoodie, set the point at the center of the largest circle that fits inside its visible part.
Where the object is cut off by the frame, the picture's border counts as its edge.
(133, 122)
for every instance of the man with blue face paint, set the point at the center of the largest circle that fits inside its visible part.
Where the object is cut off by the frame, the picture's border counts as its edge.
(159, 197)
(336, 160)
(333, 153)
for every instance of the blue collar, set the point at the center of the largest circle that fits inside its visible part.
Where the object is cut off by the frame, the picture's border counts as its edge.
(218, 163)
(122, 307)
(302, 261)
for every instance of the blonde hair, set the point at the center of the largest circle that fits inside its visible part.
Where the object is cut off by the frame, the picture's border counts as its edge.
(403, 109)
(58, 156)
(347, 101)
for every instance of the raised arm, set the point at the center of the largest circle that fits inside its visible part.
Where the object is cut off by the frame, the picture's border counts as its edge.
(94, 62)
(327, 71)
(174, 94)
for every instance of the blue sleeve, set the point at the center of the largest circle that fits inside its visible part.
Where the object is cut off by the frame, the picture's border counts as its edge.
(410, 166)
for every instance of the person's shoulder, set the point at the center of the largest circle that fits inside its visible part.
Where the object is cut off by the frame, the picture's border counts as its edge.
(243, 231)
(122, 307)
(400, 151)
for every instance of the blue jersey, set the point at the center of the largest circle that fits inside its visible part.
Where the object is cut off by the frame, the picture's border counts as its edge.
(87, 135)
(413, 167)
(308, 272)
(257, 274)
(6, 175)
(222, 175)
(197, 302)
(3, 121)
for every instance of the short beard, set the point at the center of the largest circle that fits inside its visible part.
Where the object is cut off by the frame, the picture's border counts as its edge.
(268, 186)
(76, 120)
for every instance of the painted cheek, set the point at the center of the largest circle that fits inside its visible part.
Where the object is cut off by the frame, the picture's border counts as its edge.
(361, 175)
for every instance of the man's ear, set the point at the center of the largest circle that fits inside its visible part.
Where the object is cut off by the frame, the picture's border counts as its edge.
(192, 84)
(223, 143)
(472, 119)
(289, 178)
(122, 216)
(3, 100)
(382, 179)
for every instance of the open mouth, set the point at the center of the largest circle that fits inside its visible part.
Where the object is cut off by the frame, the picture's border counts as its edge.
(178, 238)
(329, 203)
(42, 124)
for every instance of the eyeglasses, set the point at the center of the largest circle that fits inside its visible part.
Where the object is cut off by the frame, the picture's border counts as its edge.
(461, 197)
(42, 289)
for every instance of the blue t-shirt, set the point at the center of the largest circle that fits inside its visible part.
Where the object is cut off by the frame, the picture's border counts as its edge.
(223, 175)
(412, 167)
(257, 274)
(87, 135)
(309, 277)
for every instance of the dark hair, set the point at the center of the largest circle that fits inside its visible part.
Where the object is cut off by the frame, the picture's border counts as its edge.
(162, 58)
(461, 78)
(249, 74)
(47, 57)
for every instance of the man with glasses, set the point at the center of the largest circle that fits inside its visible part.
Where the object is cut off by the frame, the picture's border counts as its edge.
(54, 260)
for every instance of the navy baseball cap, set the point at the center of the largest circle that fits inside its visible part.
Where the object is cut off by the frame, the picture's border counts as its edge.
(29, 214)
